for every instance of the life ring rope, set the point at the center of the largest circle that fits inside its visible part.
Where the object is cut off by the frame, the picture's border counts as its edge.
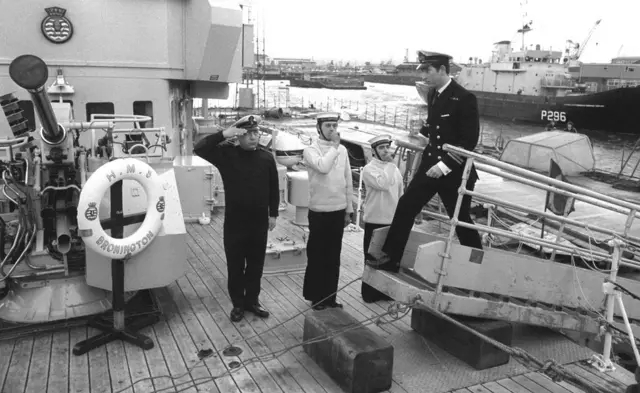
(89, 227)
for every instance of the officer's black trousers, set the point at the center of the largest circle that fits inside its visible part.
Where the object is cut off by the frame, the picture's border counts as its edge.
(419, 192)
(323, 256)
(245, 245)
(369, 293)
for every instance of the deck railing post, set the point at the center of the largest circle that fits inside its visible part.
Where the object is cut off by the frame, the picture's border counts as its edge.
(565, 213)
(442, 272)
(627, 224)
(490, 208)
(617, 245)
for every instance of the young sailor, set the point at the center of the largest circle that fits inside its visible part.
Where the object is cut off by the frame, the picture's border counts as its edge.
(330, 211)
(384, 186)
(250, 180)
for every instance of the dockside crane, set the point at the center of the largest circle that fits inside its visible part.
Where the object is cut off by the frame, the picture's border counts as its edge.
(574, 50)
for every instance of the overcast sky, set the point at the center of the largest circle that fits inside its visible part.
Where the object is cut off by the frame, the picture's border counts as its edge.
(374, 30)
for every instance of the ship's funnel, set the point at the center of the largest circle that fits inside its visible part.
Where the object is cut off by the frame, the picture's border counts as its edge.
(31, 73)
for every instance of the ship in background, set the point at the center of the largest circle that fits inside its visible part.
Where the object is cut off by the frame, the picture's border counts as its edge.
(540, 86)
(334, 82)
(405, 73)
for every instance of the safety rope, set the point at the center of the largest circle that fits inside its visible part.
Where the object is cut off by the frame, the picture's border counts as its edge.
(551, 368)
(207, 353)
(623, 289)
(394, 312)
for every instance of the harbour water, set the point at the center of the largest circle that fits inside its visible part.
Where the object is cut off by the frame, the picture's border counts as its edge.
(396, 103)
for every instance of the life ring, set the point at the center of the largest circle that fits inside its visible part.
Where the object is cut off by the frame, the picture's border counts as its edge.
(89, 227)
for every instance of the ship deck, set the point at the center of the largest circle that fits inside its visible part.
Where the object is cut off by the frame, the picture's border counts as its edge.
(195, 317)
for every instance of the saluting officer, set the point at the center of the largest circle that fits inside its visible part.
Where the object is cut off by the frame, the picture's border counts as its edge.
(452, 119)
(250, 180)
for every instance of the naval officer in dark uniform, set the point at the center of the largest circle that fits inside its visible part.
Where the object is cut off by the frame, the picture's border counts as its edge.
(250, 180)
(452, 119)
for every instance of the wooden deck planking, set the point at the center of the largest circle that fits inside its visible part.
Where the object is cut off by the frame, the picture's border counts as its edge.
(190, 334)
(214, 241)
(255, 375)
(495, 387)
(144, 365)
(79, 381)
(296, 335)
(477, 389)
(19, 367)
(6, 352)
(59, 368)
(178, 345)
(530, 384)
(196, 310)
(118, 367)
(352, 247)
(261, 345)
(548, 384)
(99, 373)
(39, 366)
(514, 387)
(209, 313)
(168, 348)
(211, 243)
(222, 311)
(608, 378)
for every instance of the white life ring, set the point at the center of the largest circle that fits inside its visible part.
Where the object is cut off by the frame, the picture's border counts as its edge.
(89, 227)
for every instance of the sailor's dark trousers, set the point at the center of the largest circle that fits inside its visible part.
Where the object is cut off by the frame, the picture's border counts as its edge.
(369, 293)
(245, 246)
(323, 256)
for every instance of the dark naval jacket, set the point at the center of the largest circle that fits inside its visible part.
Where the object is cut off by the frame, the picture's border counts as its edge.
(250, 178)
(453, 119)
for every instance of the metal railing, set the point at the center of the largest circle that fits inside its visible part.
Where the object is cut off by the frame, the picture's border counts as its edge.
(524, 176)
(618, 242)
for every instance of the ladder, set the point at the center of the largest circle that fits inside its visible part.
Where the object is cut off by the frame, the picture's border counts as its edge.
(504, 285)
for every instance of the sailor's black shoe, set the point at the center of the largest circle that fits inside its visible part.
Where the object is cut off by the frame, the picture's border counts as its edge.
(383, 263)
(236, 314)
(258, 310)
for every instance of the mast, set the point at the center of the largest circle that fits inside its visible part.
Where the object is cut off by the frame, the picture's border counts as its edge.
(264, 58)
(526, 27)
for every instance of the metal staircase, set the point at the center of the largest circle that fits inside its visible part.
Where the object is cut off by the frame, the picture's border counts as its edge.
(504, 285)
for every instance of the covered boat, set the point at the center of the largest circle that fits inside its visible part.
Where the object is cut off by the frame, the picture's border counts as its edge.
(572, 151)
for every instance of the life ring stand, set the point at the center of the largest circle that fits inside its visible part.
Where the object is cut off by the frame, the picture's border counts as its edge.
(89, 227)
